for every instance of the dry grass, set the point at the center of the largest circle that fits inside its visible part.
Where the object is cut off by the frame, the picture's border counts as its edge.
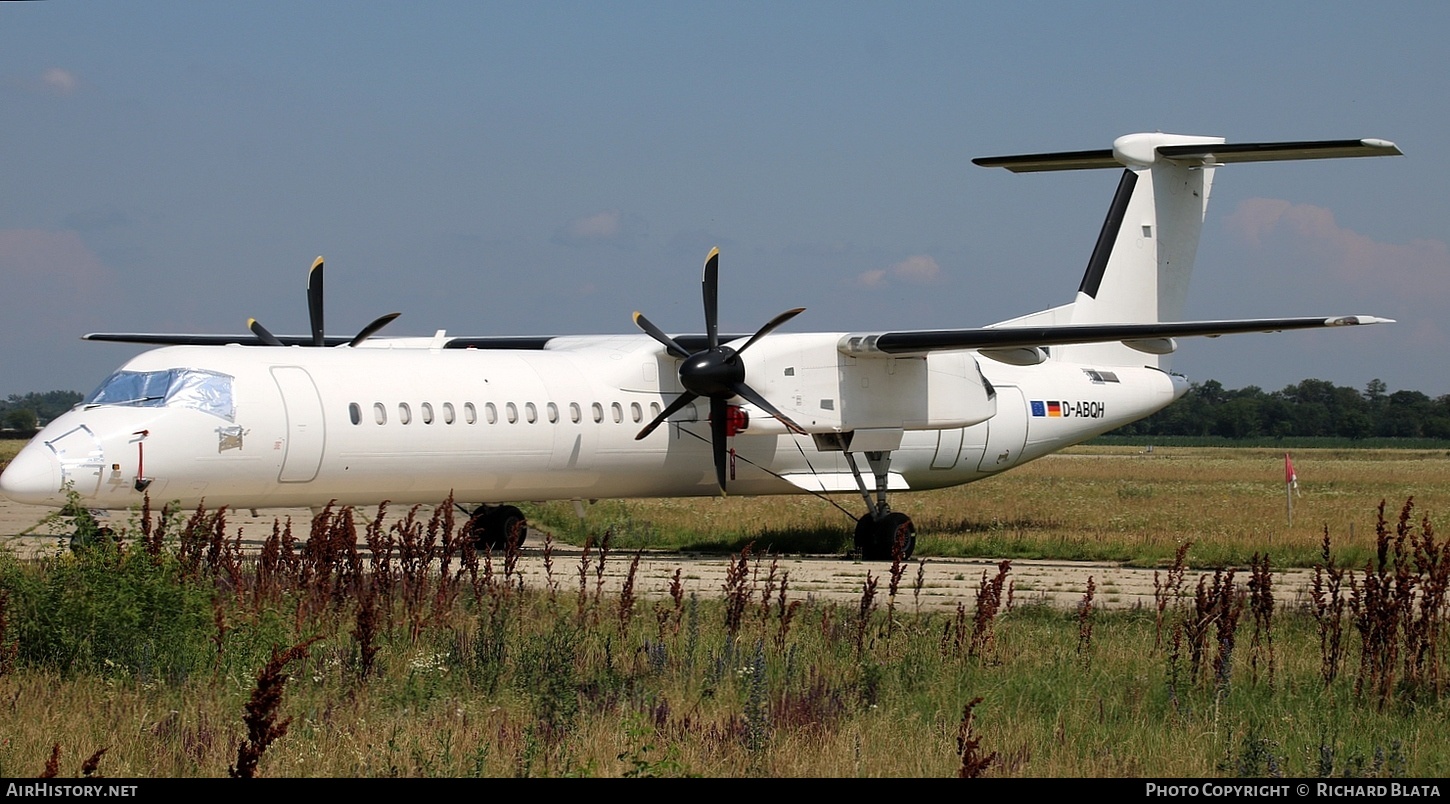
(1109, 503)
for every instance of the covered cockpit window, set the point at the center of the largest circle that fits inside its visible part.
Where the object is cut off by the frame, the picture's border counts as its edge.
(206, 391)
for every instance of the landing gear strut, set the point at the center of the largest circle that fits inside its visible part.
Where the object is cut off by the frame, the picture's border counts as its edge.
(881, 534)
(498, 528)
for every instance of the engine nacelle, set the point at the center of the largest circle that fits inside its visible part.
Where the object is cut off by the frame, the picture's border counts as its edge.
(825, 391)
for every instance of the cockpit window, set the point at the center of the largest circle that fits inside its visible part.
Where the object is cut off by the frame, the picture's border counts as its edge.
(206, 391)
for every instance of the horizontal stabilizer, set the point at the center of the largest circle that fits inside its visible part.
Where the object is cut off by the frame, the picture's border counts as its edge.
(1141, 150)
(1229, 153)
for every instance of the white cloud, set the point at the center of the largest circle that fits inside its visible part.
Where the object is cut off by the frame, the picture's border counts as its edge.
(920, 270)
(601, 225)
(54, 283)
(872, 278)
(610, 227)
(916, 270)
(1407, 270)
(1404, 281)
(59, 81)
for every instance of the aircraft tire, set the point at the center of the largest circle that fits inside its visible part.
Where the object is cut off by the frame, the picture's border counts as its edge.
(876, 540)
(497, 525)
(84, 539)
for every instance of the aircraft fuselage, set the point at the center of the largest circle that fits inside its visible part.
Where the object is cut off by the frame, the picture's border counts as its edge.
(256, 427)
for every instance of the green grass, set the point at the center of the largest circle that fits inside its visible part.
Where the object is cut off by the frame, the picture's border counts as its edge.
(160, 657)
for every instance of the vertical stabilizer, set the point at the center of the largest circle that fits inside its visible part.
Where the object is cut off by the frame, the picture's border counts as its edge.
(1139, 270)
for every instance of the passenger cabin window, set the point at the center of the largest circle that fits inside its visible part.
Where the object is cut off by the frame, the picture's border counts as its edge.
(405, 413)
(531, 413)
(490, 413)
(206, 391)
(427, 412)
(512, 411)
(380, 413)
(354, 412)
(598, 411)
(553, 411)
(447, 412)
(636, 412)
(574, 412)
(617, 411)
(470, 415)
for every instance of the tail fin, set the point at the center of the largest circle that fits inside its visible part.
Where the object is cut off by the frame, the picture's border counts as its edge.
(1140, 267)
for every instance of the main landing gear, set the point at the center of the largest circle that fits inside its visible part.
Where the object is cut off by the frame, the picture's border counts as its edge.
(881, 534)
(498, 528)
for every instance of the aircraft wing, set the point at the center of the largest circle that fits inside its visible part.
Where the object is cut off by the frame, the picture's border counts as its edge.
(1148, 337)
(694, 342)
(1151, 338)
(190, 339)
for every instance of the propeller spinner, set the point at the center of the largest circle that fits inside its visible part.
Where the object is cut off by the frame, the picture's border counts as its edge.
(716, 372)
(314, 314)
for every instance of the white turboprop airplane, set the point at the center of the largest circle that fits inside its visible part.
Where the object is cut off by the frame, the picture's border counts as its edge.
(261, 422)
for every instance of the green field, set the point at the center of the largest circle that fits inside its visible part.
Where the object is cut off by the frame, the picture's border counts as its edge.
(177, 655)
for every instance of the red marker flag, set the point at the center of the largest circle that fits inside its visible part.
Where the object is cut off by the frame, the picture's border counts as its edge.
(1291, 487)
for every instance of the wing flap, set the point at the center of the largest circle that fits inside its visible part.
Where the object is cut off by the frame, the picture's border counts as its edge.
(829, 482)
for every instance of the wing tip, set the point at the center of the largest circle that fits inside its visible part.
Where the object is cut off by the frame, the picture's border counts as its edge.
(1352, 320)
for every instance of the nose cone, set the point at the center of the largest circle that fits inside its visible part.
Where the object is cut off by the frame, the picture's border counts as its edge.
(32, 477)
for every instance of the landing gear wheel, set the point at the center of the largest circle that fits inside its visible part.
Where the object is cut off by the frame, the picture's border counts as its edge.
(86, 538)
(877, 540)
(497, 527)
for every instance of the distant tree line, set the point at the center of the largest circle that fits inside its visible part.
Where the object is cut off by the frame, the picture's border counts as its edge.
(26, 413)
(1313, 408)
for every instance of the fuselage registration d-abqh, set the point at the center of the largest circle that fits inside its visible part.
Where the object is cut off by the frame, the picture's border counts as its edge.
(261, 421)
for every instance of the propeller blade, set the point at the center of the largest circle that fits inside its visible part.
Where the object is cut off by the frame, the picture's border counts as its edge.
(658, 334)
(314, 301)
(719, 411)
(772, 324)
(368, 330)
(711, 288)
(680, 402)
(746, 392)
(262, 334)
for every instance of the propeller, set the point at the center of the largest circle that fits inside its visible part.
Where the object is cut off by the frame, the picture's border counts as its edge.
(716, 372)
(314, 315)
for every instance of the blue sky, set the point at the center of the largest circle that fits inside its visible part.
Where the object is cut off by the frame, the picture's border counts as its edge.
(526, 168)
